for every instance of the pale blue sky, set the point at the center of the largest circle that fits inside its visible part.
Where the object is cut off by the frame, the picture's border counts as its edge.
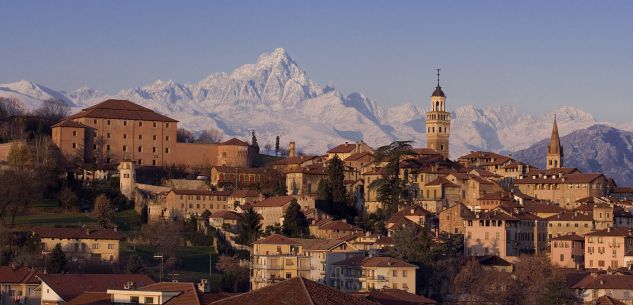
(535, 55)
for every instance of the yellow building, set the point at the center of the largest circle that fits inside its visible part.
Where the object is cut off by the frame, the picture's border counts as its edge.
(183, 203)
(272, 209)
(19, 286)
(82, 243)
(362, 274)
(276, 258)
(343, 151)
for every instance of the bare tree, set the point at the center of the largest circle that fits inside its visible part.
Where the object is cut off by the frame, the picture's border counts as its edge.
(184, 136)
(18, 189)
(268, 148)
(52, 110)
(10, 107)
(212, 135)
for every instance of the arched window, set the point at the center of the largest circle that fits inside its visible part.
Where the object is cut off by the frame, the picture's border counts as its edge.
(440, 129)
(437, 105)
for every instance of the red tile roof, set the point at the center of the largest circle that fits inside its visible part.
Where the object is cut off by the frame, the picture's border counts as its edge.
(234, 141)
(121, 109)
(276, 201)
(397, 297)
(276, 239)
(91, 298)
(343, 148)
(69, 286)
(358, 156)
(295, 291)
(605, 281)
(374, 261)
(76, 233)
(227, 215)
(21, 275)
(569, 237)
(70, 123)
(441, 181)
(188, 295)
(339, 225)
(201, 192)
(613, 231)
(244, 193)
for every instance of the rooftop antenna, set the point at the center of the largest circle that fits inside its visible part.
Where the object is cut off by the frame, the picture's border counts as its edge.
(438, 76)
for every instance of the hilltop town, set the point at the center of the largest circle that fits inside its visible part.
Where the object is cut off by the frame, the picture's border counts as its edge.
(117, 204)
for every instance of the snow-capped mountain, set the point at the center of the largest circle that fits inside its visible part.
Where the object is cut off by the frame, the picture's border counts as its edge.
(274, 96)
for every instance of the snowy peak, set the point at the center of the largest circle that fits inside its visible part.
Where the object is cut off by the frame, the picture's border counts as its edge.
(31, 94)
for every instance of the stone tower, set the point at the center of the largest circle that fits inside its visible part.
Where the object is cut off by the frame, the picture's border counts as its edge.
(554, 149)
(291, 150)
(438, 121)
(127, 179)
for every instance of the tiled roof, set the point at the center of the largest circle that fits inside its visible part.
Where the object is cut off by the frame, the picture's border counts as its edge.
(241, 170)
(91, 298)
(413, 211)
(76, 233)
(569, 237)
(339, 225)
(276, 239)
(441, 181)
(399, 220)
(276, 201)
(121, 109)
(227, 215)
(495, 196)
(542, 207)
(188, 296)
(201, 192)
(374, 261)
(69, 286)
(69, 123)
(22, 275)
(397, 297)
(343, 148)
(613, 231)
(424, 151)
(244, 193)
(294, 160)
(572, 216)
(357, 156)
(605, 281)
(313, 169)
(234, 141)
(607, 300)
(295, 291)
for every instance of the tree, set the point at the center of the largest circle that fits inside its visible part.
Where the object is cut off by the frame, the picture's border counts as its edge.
(210, 136)
(18, 189)
(56, 260)
(273, 229)
(254, 143)
(336, 176)
(236, 276)
(103, 210)
(280, 188)
(250, 229)
(185, 136)
(295, 222)
(144, 214)
(277, 146)
(67, 198)
(391, 189)
(20, 155)
(268, 148)
(135, 265)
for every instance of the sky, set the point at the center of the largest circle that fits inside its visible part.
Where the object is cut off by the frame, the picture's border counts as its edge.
(535, 55)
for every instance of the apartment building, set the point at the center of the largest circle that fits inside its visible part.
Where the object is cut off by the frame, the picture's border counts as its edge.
(81, 243)
(606, 249)
(361, 274)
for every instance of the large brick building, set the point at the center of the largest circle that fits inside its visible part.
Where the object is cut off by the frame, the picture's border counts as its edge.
(114, 130)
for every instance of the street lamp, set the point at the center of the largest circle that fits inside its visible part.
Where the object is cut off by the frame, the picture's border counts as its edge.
(161, 266)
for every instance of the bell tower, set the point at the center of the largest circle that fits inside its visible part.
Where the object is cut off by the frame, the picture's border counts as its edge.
(438, 121)
(554, 149)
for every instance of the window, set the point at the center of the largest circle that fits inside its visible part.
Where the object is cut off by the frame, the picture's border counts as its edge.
(108, 147)
(140, 137)
(134, 300)
(140, 149)
(394, 273)
(154, 137)
(404, 273)
(124, 123)
(166, 125)
(108, 135)
(95, 121)
(125, 136)
(166, 150)
(74, 145)
(166, 138)
(94, 146)
(288, 275)
(74, 133)
(95, 246)
(108, 122)
(124, 148)
(562, 257)
(140, 124)
(126, 175)
(110, 246)
(140, 161)
(153, 162)
(154, 149)
(154, 124)
(149, 300)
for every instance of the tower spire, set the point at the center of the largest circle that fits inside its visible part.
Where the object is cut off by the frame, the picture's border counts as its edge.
(438, 76)
(555, 149)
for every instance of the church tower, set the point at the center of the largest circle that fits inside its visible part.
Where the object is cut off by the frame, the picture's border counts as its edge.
(554, 149)
(438, 121)
(127, 179)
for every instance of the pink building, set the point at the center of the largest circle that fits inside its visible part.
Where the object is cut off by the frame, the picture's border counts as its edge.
(605, 249)
(568, 251)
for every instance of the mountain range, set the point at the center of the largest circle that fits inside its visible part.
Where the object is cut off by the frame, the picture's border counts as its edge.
(274, 96)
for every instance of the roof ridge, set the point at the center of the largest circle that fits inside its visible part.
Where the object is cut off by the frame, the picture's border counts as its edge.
(303, 284)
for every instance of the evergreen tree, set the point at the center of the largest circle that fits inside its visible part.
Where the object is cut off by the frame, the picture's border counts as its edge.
(135, 265)
(250, 228)
(336, 177)
(103, 210)
(254, 143)
(277, 146)
(56, 260)
(144, 214)
(324, 195)
(391, 187)
(295, 222)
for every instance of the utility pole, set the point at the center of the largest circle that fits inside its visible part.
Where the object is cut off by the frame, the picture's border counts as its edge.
(161, 266)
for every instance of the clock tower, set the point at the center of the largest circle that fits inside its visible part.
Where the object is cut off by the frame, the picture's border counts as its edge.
(438, 121)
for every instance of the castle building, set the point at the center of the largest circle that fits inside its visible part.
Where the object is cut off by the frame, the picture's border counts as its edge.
(438, 121)
(116, 130)
(554, 149)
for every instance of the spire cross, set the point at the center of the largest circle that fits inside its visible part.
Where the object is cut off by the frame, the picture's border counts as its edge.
(438, 77)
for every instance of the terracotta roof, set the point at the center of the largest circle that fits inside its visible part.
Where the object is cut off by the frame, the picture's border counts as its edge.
(613, 231)
(188, 296)
(569, 237)
(91, 298)
(70, 123)
(276, 201)
(276, 239)
(486, 174)
(76, 233)
(540, 207)
(21, 275)
(496, 196)
(607, 300)
(241, 170)
(343, 148)
(201, 192)
(295, 291)
(314, 169)
(69, 286)
(234, 141)
(481, 155)
(397, 297)
(441, 181)
(480, 179)
(244, 193)
(424, 151)
(339, 225)
(413, 211)
(294, 160)
(605, 281)
(572, 216)
(374, 261)
(399, 220)
(227, 215)
(121, 109)
(582, 178)
(357, 156)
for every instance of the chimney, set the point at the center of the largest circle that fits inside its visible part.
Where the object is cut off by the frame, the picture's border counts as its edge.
(291, 149)
(204, 286)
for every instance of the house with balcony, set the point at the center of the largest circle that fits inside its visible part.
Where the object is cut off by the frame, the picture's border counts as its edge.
(362, 274)
(606, 249)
